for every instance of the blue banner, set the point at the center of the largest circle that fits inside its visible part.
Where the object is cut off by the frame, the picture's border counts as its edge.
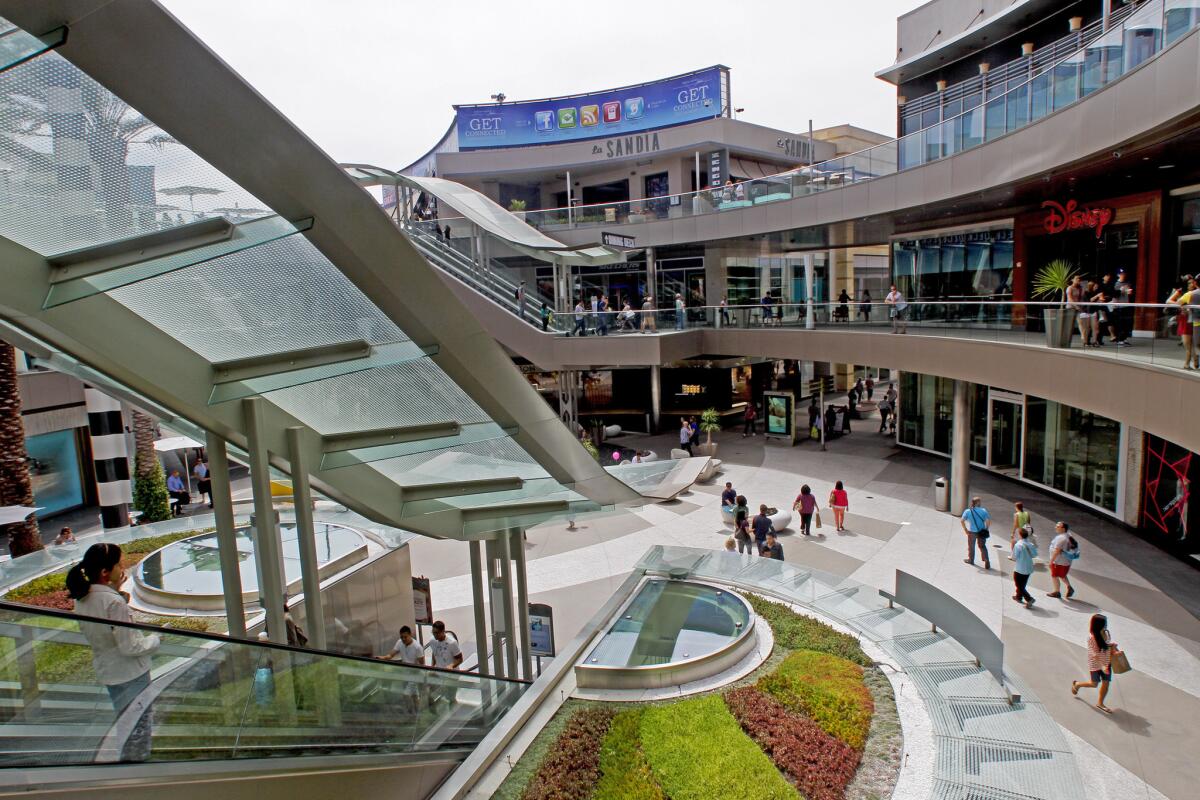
(616, 112)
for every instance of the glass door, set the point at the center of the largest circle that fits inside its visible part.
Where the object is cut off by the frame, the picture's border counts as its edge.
(1005, 450)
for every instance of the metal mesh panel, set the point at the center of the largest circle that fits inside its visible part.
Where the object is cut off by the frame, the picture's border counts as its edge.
(494, 458)
(82, 168)
(280, 296)
(411, 393)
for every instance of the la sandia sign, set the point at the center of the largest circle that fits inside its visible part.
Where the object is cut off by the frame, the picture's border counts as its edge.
(1071, 217)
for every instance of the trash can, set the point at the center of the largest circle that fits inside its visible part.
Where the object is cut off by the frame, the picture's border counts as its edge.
(941, 494)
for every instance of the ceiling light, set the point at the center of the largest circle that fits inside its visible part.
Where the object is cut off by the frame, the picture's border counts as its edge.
(1166, 166)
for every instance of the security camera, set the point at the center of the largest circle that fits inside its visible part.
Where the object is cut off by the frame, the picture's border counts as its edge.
(1116, 153)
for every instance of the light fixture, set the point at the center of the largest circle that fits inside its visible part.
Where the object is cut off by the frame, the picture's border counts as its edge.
(1166, 166)
(499, 97)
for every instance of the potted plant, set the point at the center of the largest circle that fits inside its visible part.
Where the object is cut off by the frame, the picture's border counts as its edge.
(1051, 281)
(710, 423)
(517, 207)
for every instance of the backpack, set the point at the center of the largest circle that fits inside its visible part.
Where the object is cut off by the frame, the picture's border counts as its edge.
(1073, 550)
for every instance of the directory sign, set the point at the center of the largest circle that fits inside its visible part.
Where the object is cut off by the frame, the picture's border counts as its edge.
(541, 629)
(615, 112)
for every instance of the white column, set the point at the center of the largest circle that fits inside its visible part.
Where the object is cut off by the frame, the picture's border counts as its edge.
(227, 554)
(268, 548)
(306, 535)
(960, 450)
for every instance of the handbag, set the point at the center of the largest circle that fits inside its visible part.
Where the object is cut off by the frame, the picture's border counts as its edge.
(983, 532)
(1120, 662)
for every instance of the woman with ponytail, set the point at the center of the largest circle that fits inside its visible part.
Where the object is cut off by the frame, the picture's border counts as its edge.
(120, 655)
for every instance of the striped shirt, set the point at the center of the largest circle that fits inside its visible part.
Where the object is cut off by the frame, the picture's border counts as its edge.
(1099, 660)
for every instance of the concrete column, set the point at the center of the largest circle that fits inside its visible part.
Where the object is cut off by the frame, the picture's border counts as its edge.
(518, 553)
(504, 545)
(306, 535)
(268, 548)
(651, 276)
(960, 450)
(655, 397)
(497, 655)
(231, 571)
(477, 598)
(810, 321)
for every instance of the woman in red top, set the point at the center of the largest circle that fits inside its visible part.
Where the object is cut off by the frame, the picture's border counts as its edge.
(1100, 649)
(806, 504)
(839, 501)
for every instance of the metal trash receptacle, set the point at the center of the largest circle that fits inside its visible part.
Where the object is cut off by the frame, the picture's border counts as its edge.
(941, 494)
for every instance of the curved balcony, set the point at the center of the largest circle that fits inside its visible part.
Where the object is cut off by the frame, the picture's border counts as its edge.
(1139, 82)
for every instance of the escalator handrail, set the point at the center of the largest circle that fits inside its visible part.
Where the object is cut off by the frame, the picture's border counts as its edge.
(22, 608)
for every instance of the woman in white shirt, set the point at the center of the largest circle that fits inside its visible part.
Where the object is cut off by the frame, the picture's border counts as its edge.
(120, 655)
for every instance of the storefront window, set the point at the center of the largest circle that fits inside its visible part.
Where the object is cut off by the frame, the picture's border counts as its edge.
(54, 468)
(926, 411)
(1071, 450)
(979, 424)
(967, 266)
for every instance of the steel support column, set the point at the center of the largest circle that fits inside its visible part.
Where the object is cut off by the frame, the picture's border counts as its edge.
(960, 450)
(504, 546)
(497, 656)
(477, 597)
(306, 540)
(227, 553)
(517, 537)
(268, 549)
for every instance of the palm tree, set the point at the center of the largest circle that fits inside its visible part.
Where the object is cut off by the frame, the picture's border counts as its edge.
(16, 487)
(150, 494)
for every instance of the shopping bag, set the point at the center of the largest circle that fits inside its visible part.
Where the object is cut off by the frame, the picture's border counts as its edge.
(817, 518)
(1120, 662)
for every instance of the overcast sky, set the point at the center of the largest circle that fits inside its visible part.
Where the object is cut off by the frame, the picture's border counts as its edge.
(374, 80)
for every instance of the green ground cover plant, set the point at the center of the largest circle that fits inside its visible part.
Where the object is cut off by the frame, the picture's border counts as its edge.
(624, 772)
(698, 751)
(797, 632)
(827, 689)
(571, 769)
(820, 765)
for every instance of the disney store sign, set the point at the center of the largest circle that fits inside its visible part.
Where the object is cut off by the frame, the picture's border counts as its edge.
(1072, 217)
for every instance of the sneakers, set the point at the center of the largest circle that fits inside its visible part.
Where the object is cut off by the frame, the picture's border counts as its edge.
(1123, 343)
(1029, 603)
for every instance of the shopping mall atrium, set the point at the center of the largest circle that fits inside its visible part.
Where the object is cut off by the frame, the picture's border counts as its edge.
(610, 445)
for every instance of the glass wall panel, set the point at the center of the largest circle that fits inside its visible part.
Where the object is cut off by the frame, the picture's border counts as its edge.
(926, 411)
(54, 469)
(967, 265)
(979, 426)
(1071, 450)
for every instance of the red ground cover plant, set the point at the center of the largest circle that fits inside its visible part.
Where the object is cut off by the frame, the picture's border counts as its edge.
(571, 769)
(818, 764)
(59, 600)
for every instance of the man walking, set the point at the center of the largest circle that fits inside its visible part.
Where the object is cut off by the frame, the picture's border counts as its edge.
(685, 435)
(763, 527)
(896, 309)
(1023, 553)
(521, 300)
(885, 408)
(975, 520)
(751, 416)
(1062, 547)
(580, 328)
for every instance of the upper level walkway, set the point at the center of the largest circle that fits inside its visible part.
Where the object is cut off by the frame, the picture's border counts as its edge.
(1118, 91)
(1143, 384)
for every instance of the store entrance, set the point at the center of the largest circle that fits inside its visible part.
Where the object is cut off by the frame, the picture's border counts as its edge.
(1004, 452)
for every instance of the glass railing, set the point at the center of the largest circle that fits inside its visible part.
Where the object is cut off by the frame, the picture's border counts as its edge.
(1147, 332)
(1045, 89)
(72, 698)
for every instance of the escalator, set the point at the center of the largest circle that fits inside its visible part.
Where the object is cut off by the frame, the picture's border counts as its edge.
(211, 700)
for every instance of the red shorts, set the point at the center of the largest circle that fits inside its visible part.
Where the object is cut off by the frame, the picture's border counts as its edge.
(1059, 570)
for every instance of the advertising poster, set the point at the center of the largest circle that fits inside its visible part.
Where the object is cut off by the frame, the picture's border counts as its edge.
(1168, 505)
(781, 415)
(541, 629)
(422, 601)
(607, 114)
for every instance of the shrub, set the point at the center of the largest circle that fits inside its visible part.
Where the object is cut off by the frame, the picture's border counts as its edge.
(198, 624)
(697, 751)
(826, 688)
(59, 600)
(624, 772)
(42, 585)
(797, 632)
(572, 767)
(150, 495)
(820, 765)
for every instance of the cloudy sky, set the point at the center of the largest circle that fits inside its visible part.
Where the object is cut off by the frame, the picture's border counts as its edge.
(374, 80)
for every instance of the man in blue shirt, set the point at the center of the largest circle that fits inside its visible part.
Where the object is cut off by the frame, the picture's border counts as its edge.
(975, 520)
(177, 491)
(1023, 552)
(762, 526)
(729, 496)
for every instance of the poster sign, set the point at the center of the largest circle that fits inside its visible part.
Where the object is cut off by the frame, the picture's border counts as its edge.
(617, 240)
(541, 629)
(781, 415)
(611, 114)
(718, 169)
(422, 601)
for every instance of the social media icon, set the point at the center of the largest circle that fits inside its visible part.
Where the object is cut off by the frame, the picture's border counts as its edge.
(612, 112)
(567, 118)
(635, 107)
(543, 121)
(589, 115)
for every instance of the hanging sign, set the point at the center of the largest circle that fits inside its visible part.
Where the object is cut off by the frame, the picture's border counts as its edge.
(422, 601)
(541, 629)
(1072, 217)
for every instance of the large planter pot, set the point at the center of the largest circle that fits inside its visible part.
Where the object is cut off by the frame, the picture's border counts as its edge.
(1060, 324)
(709, 450)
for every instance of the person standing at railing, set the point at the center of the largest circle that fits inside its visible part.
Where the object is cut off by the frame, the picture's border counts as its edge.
(685, 435)
(602, 315)
(1123, 313)
(545, 314)
(724, 310)
(843, 310)
(595, 303)
(627, 316)
(897, 307)
(580, 328)
(1189, 323)
(120, 655)
(1076, 292)
(649, 323)
(864, 305)
(679, 312)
